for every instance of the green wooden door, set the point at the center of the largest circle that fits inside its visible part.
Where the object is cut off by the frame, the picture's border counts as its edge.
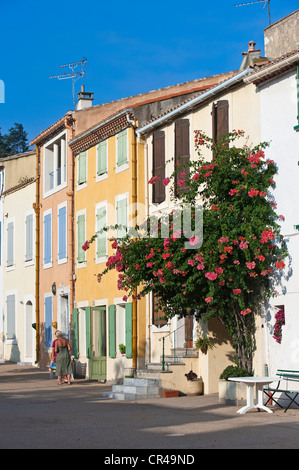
(97, 357)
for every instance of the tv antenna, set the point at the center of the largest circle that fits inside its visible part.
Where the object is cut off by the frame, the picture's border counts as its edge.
(258, 1)
(73, 75)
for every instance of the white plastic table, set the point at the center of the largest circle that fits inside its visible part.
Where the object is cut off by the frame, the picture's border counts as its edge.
(250, 383)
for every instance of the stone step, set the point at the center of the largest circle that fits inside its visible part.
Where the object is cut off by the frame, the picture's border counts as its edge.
(134, 389)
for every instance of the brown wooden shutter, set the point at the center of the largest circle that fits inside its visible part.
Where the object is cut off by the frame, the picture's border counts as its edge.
(219, 119)
(189, 331)
(158, 314)
(182, 154)
(159, 166)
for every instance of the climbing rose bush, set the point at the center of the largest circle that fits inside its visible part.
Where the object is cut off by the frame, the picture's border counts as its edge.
(229, 274)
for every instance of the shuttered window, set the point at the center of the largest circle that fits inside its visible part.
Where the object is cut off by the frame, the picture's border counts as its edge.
(29, 237)
(62, 233)
(48, 322)
(182, 155)
(80, 238)
(47, 238)
(122, 156)
(10, 244)
(112, 330)
(11, 316)
(87, 330)
(102, 235)
(121, 217)
(158, 315)
(82, 168)
(219, 119)
(159, 166)
(129, 345)
(75, 335)
(102, 158)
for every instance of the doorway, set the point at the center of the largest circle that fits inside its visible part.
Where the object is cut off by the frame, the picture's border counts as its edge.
(98, 357)
(29, 332)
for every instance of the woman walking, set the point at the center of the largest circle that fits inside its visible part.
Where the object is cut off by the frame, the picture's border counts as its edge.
(63, 360)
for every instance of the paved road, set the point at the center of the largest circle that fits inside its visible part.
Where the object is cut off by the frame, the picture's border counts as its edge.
(35, 413)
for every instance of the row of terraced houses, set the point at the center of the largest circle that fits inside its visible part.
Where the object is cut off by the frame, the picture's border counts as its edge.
(91, 169)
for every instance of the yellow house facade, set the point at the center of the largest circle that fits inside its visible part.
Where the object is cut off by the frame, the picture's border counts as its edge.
(108, 182)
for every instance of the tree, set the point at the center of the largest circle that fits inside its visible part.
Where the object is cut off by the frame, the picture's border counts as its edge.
(229, 273)
(14, 142)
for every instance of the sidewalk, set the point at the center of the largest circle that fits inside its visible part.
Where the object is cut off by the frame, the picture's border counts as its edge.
(38, 414)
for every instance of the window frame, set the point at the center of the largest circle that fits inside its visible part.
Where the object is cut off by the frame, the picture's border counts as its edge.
(102, 176)
(125, 165)
(63, 184)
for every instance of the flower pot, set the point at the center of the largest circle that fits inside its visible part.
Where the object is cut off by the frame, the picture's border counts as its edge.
(194, 387)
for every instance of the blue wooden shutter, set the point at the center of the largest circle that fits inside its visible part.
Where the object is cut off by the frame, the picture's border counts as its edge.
(102, 237)
(11, 317)
(81, 238)
(48, 322)
(87, 330)
(102, 157)
(112, 331)
(62, 233)
(75, 336)
(10, 242)
(29, 237)
(47, 239)
(122, 148)
(129, 330)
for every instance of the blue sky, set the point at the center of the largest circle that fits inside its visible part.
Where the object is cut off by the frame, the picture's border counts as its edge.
(131, 48)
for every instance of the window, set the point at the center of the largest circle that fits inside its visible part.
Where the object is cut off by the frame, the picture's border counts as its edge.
(82, 167)
(10, 244)
(120, 328)
(47, 239)
(11, 316)
(29, 237)
(121, 216)
(55, 164)
(121, 148)
(62, 233)
(80, 237)
(182, 155)
(159, 166)
(101, 222)
(102, 158)
(48, 321)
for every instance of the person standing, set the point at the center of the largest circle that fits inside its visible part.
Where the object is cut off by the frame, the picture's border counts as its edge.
(63, 359)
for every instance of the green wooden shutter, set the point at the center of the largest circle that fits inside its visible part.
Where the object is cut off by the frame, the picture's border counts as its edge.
(122, 148)
(102, 157)
(87, 330)
(81, 238)
(101, 238)
(121, 215)
(75, 340)
(82, 168)
(129, 330)
(112, 331)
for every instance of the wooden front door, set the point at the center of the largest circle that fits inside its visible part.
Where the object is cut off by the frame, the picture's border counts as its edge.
(98, 356)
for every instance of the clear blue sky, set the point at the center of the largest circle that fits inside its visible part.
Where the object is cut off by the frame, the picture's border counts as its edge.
(131, 47)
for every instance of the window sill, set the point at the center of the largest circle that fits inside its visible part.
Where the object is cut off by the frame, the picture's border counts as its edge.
(102, 177)
(123, 167)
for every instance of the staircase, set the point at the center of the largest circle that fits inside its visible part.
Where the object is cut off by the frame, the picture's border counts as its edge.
(135, 389)
(147, 382)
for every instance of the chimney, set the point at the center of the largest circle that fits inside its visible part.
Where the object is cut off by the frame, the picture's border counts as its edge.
(251, 57)
(84, 99)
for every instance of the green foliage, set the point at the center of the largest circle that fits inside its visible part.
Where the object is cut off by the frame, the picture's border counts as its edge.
(14, 142)
(235, 371)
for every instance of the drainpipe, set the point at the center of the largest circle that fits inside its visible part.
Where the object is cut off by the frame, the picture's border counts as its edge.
(70, 194)
(134, 200)
(36, 208)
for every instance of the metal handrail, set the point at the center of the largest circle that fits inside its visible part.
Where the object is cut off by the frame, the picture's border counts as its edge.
(163, 344)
